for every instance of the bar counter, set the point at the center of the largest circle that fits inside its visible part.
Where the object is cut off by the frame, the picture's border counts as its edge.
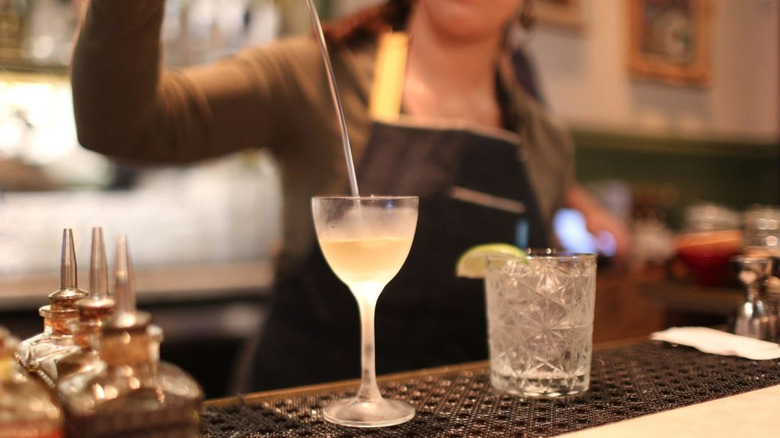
(628, 381)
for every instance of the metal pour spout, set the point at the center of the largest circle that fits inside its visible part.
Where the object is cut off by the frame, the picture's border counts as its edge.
(126, 338)
(98, 268)
(126, 316)
(99, 305)
(68, 294)
(68, 268)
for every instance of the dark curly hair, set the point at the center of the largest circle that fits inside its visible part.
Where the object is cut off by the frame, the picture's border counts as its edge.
(391, 15)
(369, 22)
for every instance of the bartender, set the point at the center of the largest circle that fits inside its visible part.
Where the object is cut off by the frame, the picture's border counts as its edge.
(432, 110)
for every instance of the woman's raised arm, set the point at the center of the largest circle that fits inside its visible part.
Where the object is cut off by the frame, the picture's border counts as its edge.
(128, 106)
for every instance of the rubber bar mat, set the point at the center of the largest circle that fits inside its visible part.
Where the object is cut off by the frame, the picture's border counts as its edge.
(626, 382)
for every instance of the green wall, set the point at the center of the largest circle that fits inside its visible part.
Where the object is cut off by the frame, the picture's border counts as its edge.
(733, 173)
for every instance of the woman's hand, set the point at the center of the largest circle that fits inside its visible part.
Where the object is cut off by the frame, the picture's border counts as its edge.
(611, 233)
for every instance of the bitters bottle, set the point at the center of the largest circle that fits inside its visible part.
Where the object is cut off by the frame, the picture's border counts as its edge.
(135, 395)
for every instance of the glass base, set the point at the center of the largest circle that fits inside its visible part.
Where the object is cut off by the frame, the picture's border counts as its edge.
(355, 413)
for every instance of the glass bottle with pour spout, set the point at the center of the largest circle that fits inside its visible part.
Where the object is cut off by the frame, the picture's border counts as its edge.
(39, 354)
(93, 311)
(135, 395)
(27, 409)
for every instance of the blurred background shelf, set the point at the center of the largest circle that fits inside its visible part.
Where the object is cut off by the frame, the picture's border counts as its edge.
(690, 298)
(169, 285)
(209, 313)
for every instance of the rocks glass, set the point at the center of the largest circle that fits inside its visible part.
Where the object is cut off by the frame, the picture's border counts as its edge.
(540, 322)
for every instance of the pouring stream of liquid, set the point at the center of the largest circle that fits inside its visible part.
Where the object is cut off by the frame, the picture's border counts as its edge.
(315, 19)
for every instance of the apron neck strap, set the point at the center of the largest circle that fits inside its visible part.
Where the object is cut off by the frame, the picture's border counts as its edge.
(389, 72)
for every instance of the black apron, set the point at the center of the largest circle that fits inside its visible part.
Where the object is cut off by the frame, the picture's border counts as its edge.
(473, 189)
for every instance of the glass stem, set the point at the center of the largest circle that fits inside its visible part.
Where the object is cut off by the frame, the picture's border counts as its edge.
(367, 296)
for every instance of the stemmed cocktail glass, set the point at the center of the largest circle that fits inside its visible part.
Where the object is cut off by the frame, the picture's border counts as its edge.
(366, 241)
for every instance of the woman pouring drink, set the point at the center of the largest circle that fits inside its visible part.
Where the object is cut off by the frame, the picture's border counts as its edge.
(433, 110)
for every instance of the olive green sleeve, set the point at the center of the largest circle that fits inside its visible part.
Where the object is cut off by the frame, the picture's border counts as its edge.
(127, 106)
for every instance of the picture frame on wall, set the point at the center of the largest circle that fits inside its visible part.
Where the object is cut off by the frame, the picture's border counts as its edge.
(564, 14)
(669, 41)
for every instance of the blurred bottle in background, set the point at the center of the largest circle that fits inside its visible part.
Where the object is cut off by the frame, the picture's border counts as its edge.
(13, 29)
(762, 231)
(710, 236)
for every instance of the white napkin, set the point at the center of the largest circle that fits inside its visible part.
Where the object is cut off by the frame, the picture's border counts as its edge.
(714, 341)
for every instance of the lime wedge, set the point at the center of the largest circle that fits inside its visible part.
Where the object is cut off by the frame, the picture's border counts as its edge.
(473, 262)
